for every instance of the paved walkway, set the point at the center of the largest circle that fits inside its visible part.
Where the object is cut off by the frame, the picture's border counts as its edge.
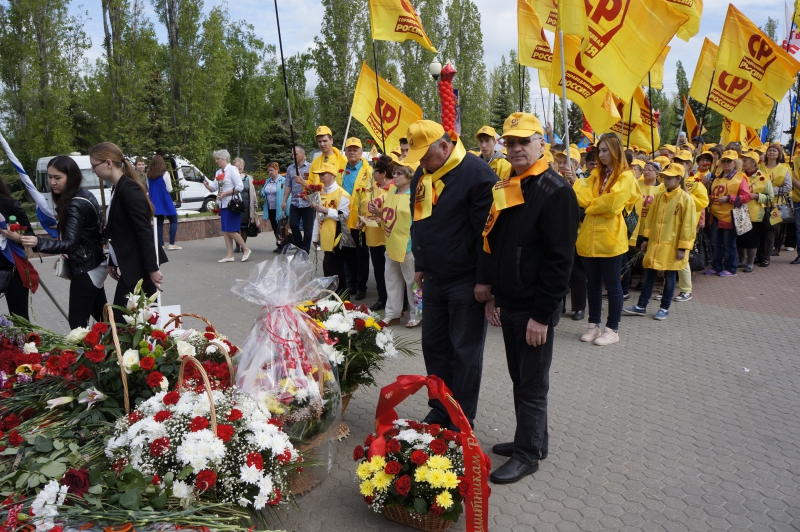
(688, 424)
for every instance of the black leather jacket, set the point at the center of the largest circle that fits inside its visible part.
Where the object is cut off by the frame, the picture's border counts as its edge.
(82, 240)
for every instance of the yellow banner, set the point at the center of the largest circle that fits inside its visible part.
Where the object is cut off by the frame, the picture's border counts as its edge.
(534, 50)
(693, 9)
(797, 17)
(692, 128)
(573, 18)
(732, 131)
(583, 87)
(731, 96)
(656, 74)
(547, 11)
(747, 53)
(397, 20)
(397, 109)
(641, 120)
(626, 38)
(752, 138)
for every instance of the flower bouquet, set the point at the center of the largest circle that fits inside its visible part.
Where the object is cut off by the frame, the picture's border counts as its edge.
(423, 475)
(311, 193)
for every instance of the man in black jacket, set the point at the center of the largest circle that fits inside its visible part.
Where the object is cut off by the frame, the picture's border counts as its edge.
(529, 245)
(452, 196)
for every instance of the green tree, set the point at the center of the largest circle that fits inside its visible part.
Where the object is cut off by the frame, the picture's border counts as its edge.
(501, 108)
(575, 116)
(514, 83)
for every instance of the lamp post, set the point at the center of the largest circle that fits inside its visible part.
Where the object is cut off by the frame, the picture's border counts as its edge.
(435, 68)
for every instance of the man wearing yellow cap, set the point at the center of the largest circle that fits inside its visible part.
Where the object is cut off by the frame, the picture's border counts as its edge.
(356, 177)
(668, 151)
(487, 139)
(329, 154)
(529, 247)
(452, 193)
(334, 207)
(569, 167)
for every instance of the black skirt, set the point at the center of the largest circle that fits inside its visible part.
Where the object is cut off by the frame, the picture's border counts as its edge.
(750, 239)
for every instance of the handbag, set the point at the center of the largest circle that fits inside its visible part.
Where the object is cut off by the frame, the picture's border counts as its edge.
(283, 228)
(236, 204)
(253, 230)
(6, 276)
(741, 219)
(785, 209)
(62, 268)
(700, 254)
(631, 221)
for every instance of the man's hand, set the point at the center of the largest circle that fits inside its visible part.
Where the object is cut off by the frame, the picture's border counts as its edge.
(644, 245)
(112, 272)
(29, 241)
(492, 313)
(321, 209)
(157, 277)
(419, 278)
(680, 254)
(536, 333)
(299, 180)
(483, 292)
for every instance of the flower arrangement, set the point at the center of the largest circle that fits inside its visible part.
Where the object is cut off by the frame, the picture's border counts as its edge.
(311, 193)
(421, 470)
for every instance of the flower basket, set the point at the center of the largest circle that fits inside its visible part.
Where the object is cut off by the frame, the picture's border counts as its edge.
(344, 430)
(427, 522)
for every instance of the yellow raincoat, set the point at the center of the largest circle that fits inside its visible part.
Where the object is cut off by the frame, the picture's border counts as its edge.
(603, 232)
(360, 203)
(671, 225)
(643, 207)
(699, 193)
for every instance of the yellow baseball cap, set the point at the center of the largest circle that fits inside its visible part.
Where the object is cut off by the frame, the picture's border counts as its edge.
(323, 130)
(762, 148)
(486, 130)
(548, 156)
(326, 168)
(673, 170)
(668, 147)
(522, 125)
(730, 155)
(683, 155)
(353, 141)
(421, 134)
(638, 162)
(706, 154)
(662, 160)
(574, 154)
(754, 155)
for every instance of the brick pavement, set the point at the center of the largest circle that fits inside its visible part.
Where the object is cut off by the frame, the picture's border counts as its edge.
(664, 431)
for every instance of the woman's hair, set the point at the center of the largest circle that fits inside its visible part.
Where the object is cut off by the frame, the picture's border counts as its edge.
(274, 165)
(108, 151)
(5, 192)
(238, 160)
(735, 146)
(629, 156)
(384, 165)
(777, 146)
(614, 145)
(66, 165)
(407, 170)
(718, 150)
(157, 167)
(222, 154)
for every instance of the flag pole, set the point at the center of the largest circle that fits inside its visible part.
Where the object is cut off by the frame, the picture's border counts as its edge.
(652, 118)
(563, 85)
(797, 91)
(705, 107)
(544, 107)
(630, 119)
(378, 90)
(286, 90)
(683, 118)
(346, 131)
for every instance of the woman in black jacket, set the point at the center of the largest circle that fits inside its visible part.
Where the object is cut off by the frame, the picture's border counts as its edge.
(81, 241)
(17, 294)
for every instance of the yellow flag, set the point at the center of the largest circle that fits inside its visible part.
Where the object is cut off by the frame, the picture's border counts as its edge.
(573, 17)
(747, 53)
(752, 138)
(732, 131)
(692, 128)
(797, 18)
(534, 50)
(656, 74)
(544, 78)
(692, 8)
(641, 119)
(397, 109)
(583, 87)
(397, 20)
(547, 11)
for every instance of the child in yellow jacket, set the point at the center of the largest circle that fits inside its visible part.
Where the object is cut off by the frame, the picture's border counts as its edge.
(669, 234)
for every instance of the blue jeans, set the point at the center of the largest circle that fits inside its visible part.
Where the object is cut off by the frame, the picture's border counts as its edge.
(723, 244)
(649, 280)
(599, 271)
(797, 226)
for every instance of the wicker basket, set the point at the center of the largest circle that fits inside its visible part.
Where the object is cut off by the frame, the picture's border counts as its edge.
(344, 430)
(300, 483)
(426, 523)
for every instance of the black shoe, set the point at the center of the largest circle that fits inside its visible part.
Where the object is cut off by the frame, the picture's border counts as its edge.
(237, 250)
(277, 249)
(434, 418)
(626, 297)
(796, 261)
(764, 264)
(512, 471)
(379, 305)
(578, 316)
(361, 294)
(504, 449)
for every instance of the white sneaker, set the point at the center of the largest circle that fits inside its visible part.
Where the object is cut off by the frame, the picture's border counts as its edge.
(683, 296)
(609, 336)
(591, 333)
(789, 249)
(173, 247)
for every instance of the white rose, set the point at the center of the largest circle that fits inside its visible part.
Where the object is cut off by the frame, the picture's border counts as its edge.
(130, 359)
(164, 384)
(76, 336)
(185, 349)
(29, 348)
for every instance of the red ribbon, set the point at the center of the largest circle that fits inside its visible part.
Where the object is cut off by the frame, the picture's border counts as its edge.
(476, 463)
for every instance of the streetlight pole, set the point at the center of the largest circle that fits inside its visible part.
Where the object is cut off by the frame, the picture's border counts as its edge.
(435, 68)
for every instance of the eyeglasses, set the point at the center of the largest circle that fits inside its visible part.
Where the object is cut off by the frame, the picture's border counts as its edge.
(96, 165)
(512, 143)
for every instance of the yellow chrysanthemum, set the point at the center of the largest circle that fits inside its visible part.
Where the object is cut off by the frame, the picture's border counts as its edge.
(439, 462)
(274, 406)
(436, 478)
(445, 500)
(320, 324)
(382, 481)
(367, 489)
(450, 480)
(369, 322)
(421, 474)
(377, 463)
(363, 472)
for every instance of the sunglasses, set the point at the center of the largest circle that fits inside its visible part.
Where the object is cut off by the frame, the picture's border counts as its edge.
(512, 143)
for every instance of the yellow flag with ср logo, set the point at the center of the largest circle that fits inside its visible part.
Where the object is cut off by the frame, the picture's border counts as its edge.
(626, 38)
(547, 11)
(747, 53)
(583, 87)
(732, 131)
(729, 95)
(396, 109)
(655, 78)
(694, 10)
(534, 50)
(397, 20)
(692, 128)
(637, 119)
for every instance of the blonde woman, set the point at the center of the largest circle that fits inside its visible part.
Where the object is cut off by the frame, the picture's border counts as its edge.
(231, 183)
(250, 200)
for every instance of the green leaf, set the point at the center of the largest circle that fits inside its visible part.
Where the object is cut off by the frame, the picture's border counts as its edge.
(42, 444)
(168, 479)
(23, 478)
(58, 445)
(33, 481)
(185, 472)
(160, 501)
(131, 499)
(95, 476)
(54, 469)
(97, 489)
(420, 506)
(74, 447)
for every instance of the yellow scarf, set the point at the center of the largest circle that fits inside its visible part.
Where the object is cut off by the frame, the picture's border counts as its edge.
(508, 193)
(430, 186)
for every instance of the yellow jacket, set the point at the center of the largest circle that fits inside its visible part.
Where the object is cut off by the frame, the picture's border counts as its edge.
(603, 232)
(699, 193)
(337, 159)
(501, 167)
(670, 226)
(362, 185)
(643, 206)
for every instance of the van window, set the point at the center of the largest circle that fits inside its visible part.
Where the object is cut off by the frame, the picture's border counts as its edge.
(190, 174)
(90, 180)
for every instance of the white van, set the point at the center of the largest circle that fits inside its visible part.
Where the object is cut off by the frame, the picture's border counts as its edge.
(193, 196)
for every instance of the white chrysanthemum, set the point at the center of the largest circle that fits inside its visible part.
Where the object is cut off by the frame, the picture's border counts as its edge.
(409, 435)
(116, 443)
(333, 354)
(76, 335)
(382, 339)
(390, 351)
(44, 507)
(199, 449)
(401, 423)
(337, 323)
(266, 485)
(250, 474)
(301, 395)
(425, 438)
(243, 502)
(260, 501)
(328, 306)
(181, 489)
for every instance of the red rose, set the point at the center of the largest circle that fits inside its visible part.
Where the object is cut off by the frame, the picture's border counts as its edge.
(162, 415)
(11, 421)
(277, 422)
(459, 440)
(234, 415)
(14, 438)
(392, 468)
(436, 510)
(159, 447)
(360, 324)
(358, 453)
(119, 465)
(403, 485)
(391, 433)
(134, 417)
(349, 306)
(100, 327)
(284, 457)
(158, 335)
(198, 423)
(205, 479)
(225, 432)
(255, 459)
(95, 356)
(369, 499)
(393, 446)
(172, 398)
(77, 480)
(368, 441)
(82, 373)
(153, 319)
(433, 430)
(438, 446)
(209, 336)
(463, 486)
(156, 480)
(154, 379)
(419, 457)
(449, 435)
(147, 363)
(57, 528)
(2, 435)
(413, 425)
(92, 338)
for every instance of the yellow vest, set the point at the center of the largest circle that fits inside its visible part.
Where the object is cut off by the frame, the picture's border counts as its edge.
(374, 235)
(796, 174)
(337, 159)
(670, 226)
(725, 187)
(327, 229)
(643, 207)
(396, 216)
(777, 175)
(362, 184)
(759, 184)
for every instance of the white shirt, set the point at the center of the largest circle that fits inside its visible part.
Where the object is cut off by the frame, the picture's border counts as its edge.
(232, 181)
(333, 214)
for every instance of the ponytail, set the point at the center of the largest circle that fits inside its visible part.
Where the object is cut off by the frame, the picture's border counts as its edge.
(108, 151)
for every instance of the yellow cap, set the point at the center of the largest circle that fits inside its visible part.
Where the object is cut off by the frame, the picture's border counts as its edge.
(574, 154)
(669, 147)
(754, 155)
(762, 148)
(326, 168)
(683, 155)
(706, 154)
(352, 141)
(638, 162)
(522, 125)
(323, 130)
(730, 155)
(662, 160)
(546, 145)
(673, 170)
(421, 134)
(548, 156)
(486, 130)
